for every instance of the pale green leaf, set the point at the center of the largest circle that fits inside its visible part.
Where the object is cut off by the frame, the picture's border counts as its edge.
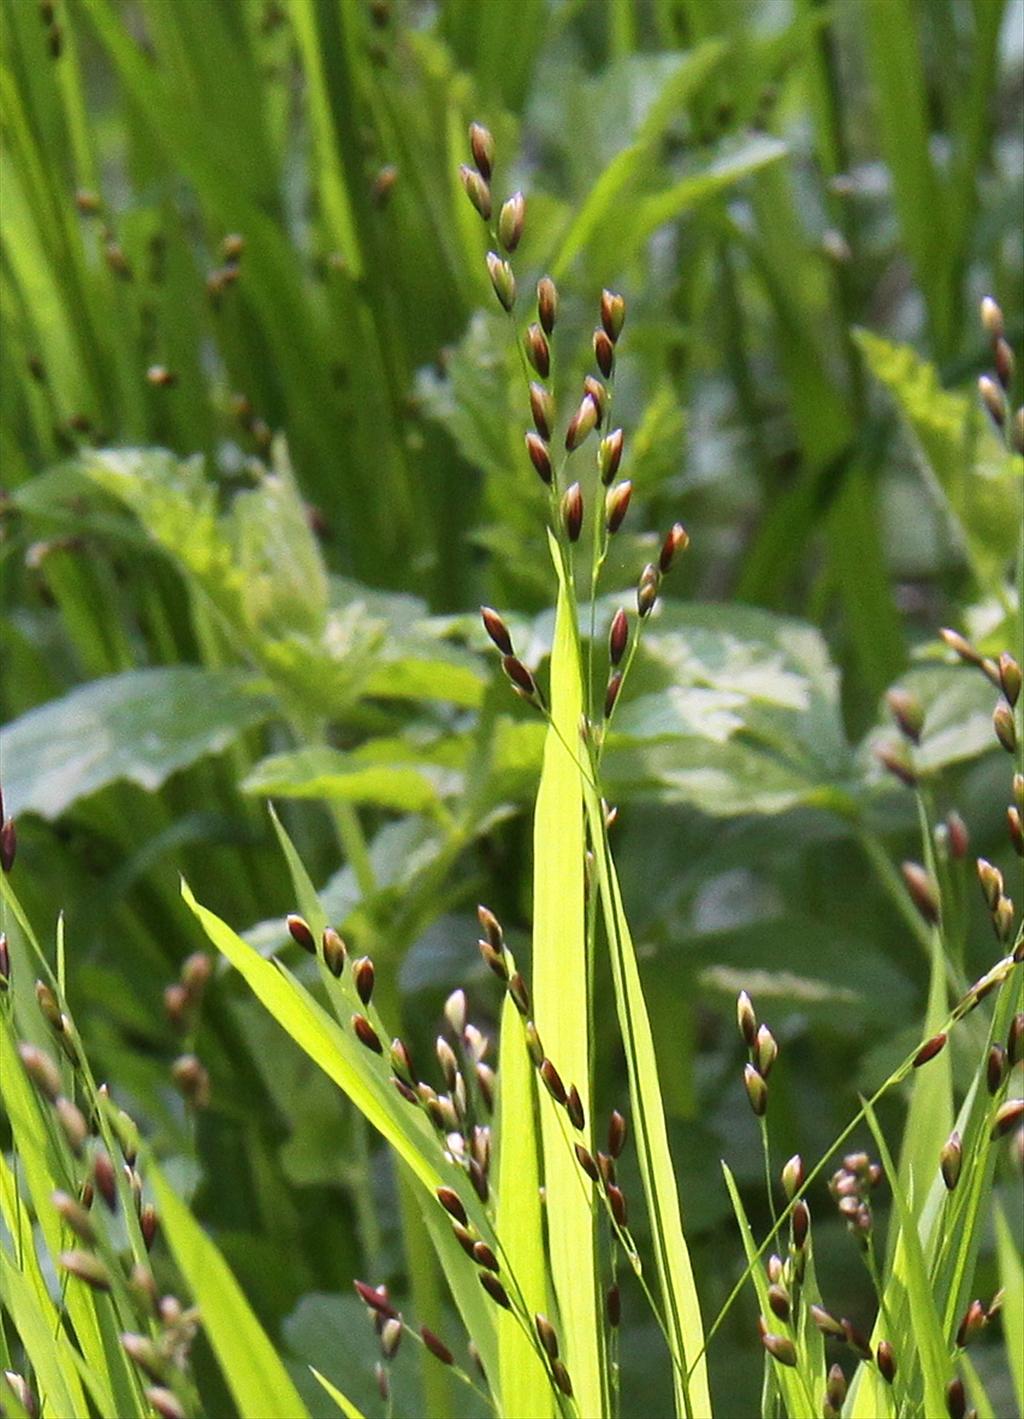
(142, 726)
(346, 1406)
(252, 1369)
(322, 772)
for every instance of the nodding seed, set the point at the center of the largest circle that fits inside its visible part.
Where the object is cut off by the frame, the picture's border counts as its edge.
(800, 1223)
(478, 1178)
(409, 1095)
(582, 423)
(757, 1090)
(613, 1305)
(485, 1078)
(552, 1081)
(895, 760)
(792, 1176)
(495, 960)
(299, 931)
(390, 1337)
(974, 1320)
(604, 353)
(1003, 724)
(519, 675)
(376, 1297)
(547, 303)
(1015, 1040)
(907, 712)
(606, 1167)
(447, 1060)
(436, 1346)
(598, 393)
(75, 1216)
(334, 951)
(826, 1322)
(677, 539)
(466, 1238)
(779, 1347)
(363, 976)
(483, 1256)
(956, 1399)
(766, 1051)
(618, 636)
(41, 1069)
(616, 505)
(547, 1335)
(951, 1160)
(494, 1289)
(491, 927)
(617, 1203)
(533, 1043)
(455, 1011)
(497, 630)
(165, 1402)
(511, 220)
(996, 1068)
(572, 512)
(538, 351)
(930, 1049)
(452, 1204)
(380, 1374)
(922, 891)
(477, 190)
(856, 1339)
(574, 1108)
(560, 1375)
(520, 993)
(87, 1268)
(746, 1019)
(609, 456)
(611, 694)
(481, 143)
(401, 1060)
(586, 1161)
(47, 1002)
(613, 314)
(149, 1223)
(885, 1358)
(366, 1034)
(503, 280)
(1008, 1116)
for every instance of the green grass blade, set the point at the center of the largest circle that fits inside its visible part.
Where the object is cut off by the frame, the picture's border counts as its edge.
(675, 1272)
(1011, 1278)
(909, 1285)
(930, 1116)
(251, 1367)
(55, 1375)
(791, 1382)
(523, 1382)
(562, 1014)
(350, 1410)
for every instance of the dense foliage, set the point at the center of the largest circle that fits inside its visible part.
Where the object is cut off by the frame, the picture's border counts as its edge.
(262, 425)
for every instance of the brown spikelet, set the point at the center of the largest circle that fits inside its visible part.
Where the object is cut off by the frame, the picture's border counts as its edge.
(366, 1034)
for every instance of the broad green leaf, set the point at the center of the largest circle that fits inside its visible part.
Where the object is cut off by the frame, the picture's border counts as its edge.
(524, 1386)
(346, 1406)
(328, 773)
(965, 464)
(142, 726)
(1011, 1279)
(252, 1368)
(562, 1012)
(792, 1382)
(957, 721)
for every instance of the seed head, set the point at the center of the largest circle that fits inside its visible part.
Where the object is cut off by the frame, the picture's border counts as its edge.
(746, 1019)
(366, 1034)
(553, 1081)
(992, 317)
(481, 143)
(1002, 919)
(1015, 829)
(1015, 1040)
(604, 353)
(87, 1268)
(452, 1204)
(572, 512)
(780, 1348)
(616, 505)
(149, 1223)
(993, 400)
(835, 1387)
(922, 891)
(1002, 723)
(613, 314)
(41, 1069)
(974, 1320)
(9, 845)
(587, 1162)
(436, 1346)
(334, 951)
(618, 637)
(546, 1335)
(75, 1216)
(539, 456)
(299, 931)
(390, 1337)
(800, 1224)
(793, 1176)
(511, 220)
(617, 1203)
(494, 1289)
(996, 1068)
(957, 838)
(778, 1300)
(616, 1134)
(991, 882)
(363, 976)
(611, 694)
(455, 1011)
(896, 761)
(856, 1339)
(885, 1358)
(520, 677)
(613, 1305)
(598, 393)
(574, 1108)
(542, 407)
(676, 540)
(192, 1080)
(908, 712)
(951, 1160)
(48, 1006)
(582, 423)
(502, 279)
(766, 1051)
(547, 303)
(533, 1043)
(609, 456)
(826, 1322)
(1008, 1116)
(647, 590)
(483, 1256)
(956, 1399)
(520, 993)
(757, 1090)
(1004, 363)
(930, 1049)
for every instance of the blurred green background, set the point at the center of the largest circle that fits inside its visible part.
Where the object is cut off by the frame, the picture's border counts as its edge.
(262, 443)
